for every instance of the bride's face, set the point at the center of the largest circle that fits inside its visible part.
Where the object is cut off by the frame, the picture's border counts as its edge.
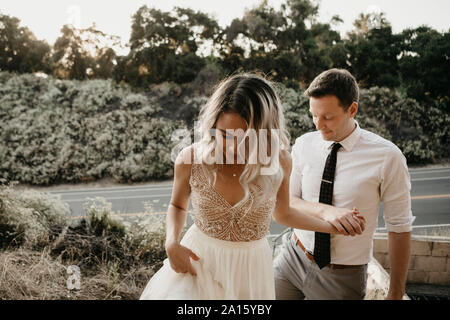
(228, 141)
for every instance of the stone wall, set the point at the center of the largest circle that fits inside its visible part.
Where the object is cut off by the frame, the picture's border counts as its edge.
(429, 262)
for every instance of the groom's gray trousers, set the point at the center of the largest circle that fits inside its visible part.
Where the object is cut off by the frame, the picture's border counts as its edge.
(297, 277)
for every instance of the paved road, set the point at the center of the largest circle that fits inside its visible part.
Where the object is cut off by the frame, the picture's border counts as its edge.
(430, 193)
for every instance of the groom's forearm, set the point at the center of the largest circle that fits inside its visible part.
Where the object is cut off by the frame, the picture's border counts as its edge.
(399, 254)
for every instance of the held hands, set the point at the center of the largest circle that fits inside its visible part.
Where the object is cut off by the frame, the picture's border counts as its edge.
(179, 257)
(345, 221)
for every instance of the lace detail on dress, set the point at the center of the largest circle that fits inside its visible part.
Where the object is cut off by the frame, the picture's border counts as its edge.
(217, 218)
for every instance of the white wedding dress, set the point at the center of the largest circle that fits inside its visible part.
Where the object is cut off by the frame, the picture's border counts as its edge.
(235, 256)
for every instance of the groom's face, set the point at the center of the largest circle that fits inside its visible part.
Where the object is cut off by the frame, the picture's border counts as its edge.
(330, 118)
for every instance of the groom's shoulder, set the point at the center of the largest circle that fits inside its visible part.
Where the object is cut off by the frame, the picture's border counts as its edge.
(307, 137)
(375, 140)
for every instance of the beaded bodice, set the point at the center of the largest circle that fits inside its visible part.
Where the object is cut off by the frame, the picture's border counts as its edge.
(216, 217)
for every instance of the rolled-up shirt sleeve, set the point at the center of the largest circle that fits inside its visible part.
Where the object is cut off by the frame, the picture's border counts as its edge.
(295, 182)
(395, 192)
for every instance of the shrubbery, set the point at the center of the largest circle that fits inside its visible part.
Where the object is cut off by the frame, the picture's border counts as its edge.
(116, 258)
(56, 131)
(32, 219)
(420, 131)
(29, 217)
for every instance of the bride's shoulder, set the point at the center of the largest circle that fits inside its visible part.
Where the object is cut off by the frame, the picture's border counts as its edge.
(285, 156)
(186, 155)
(184, 161)
(285, 160)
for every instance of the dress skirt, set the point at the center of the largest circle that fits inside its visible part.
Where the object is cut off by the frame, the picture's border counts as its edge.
(227, 270)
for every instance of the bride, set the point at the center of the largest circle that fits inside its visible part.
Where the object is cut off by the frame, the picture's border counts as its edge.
(225, 254)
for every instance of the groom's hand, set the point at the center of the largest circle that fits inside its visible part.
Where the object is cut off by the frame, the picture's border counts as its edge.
(347, 222)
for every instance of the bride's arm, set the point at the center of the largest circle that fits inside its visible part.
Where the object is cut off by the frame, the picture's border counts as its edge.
(289, 216)
(179, 256)
(179, 202)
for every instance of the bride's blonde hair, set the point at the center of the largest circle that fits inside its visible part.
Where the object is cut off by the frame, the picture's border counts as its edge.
(253, 98)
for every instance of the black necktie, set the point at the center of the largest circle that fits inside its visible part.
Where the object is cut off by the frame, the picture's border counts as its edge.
(322, 254)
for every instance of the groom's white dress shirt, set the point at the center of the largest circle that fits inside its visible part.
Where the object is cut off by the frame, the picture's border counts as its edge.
(369, 170)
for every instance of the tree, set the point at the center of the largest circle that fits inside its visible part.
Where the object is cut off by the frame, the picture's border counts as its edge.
(20, 51)
(289, 45)
(250, 42)
(84, 53)
(167, 46)
(424, 64)
(373, 50)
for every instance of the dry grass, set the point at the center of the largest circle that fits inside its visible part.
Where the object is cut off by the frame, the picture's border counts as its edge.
(30, 275)
(115, 259)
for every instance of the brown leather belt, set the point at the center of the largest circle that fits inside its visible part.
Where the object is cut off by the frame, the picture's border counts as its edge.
(311, 257)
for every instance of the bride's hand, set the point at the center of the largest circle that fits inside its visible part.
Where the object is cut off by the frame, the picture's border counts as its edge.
(179, 257)
(345, 221)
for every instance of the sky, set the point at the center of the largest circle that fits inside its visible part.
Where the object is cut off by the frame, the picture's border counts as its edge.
(46, 17)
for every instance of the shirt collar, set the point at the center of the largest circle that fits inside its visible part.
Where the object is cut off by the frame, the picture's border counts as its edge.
(349, 142)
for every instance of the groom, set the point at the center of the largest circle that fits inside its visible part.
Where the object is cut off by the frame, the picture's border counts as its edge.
(343, 166)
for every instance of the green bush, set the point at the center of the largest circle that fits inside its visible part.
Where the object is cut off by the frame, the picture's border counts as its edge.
(28, 217)
(421, 132)
(296, 111)
(57, 131)
(70, 131)
(38, 244)
(105, 239)
(38, 221)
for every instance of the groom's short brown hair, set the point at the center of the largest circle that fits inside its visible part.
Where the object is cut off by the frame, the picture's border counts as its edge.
(337, 82)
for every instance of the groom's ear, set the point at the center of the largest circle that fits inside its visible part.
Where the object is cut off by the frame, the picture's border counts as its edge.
(353, 109)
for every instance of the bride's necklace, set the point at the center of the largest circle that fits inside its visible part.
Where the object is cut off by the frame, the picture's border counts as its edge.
(234, 174)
